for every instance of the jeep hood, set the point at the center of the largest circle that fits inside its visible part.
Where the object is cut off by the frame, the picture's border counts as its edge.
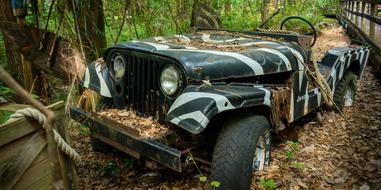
(215, 57)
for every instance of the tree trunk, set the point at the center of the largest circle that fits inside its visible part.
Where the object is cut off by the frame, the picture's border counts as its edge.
(13, 56)
(90, 26)
(264, 10)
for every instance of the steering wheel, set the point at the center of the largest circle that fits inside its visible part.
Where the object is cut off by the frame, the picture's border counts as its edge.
(313, 33)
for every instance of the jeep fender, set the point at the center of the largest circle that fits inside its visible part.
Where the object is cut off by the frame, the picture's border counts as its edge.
(197, 105)
(339, 60)
(96, 78)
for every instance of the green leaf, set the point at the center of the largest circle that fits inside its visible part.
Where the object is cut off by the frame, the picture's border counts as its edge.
(203, 179)
(215, 184)
(297, 165)
(268, 184)
(290, 155)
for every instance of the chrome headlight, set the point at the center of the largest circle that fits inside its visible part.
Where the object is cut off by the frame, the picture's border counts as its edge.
(119, 66)
(169, 80)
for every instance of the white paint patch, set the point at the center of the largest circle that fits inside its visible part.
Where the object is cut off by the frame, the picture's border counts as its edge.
(300, 73)
(196, 115)
(182, 37)
(87, 78)
(157, 46)
(267, 100)
(254, 65)
(159, 38)
(279, 54)
(306, 101)
(104, 89)
(299, 57)
(206, 38)
(221, 101)
(292, 106)
(316, 91)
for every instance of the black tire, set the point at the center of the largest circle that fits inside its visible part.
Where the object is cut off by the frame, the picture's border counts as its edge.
(347, 82)
(232, 162)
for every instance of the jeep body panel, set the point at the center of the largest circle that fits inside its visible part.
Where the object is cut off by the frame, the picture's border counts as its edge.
(197, 105)
(333, 66)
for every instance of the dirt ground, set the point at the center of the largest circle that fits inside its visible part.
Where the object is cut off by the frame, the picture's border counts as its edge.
(323, 154)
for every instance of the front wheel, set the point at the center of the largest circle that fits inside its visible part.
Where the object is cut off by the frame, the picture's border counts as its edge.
(243, 146)
(345, 91)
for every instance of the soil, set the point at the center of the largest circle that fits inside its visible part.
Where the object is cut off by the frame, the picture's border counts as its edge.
(323, 153)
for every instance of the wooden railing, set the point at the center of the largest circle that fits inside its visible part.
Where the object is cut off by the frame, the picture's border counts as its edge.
(363, 15)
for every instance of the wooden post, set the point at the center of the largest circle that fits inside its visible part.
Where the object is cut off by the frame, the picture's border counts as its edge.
(363, 4)
(357, 11)
(26, 66)
(352, 9)
(372, 26)
(345, 7)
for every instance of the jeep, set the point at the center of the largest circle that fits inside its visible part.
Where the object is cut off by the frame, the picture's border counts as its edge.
(222, 92)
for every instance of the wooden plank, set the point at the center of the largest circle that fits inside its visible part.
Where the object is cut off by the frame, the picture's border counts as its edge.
(12, 149)
(367, 1)
(376, 48)
(352, 9)
(39, 174)
(68, 169)
(12, 171)
(372, 25)
(357, 10)
(363, 4)
(13, 107)
(21, 127)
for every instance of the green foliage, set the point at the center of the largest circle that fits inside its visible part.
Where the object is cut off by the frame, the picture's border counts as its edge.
(292, 149)
(4, 116)
(297, 165)
(6, 92)
(268, 184)
(84, 130)
(108, 170)
(128, 162)
(215, 184)
(3, 55)
(290, 155)
(293, 145)
(203, 179)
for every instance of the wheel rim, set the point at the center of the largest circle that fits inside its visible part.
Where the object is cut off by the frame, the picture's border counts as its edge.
(260, 156)
(348, 97)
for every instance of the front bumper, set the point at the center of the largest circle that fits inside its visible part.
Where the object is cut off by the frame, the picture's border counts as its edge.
(120, 137)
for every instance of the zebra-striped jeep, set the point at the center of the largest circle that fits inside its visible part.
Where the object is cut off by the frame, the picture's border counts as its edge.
(219, 91)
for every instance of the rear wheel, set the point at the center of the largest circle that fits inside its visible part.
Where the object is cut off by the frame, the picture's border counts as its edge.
(345, 91)
(243, 146)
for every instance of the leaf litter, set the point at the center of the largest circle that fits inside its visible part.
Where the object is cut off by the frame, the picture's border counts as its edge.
(329, 155)
(147, 127)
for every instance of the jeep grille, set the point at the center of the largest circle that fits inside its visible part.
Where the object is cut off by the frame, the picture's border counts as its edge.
(141, 85)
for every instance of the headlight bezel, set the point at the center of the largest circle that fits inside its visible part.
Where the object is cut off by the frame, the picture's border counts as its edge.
(115, 57)
(179, 80)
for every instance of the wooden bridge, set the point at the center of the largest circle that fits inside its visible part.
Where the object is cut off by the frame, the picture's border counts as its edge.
(363, 22)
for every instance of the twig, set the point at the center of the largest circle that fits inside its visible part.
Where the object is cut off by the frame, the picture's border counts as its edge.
(123, 21)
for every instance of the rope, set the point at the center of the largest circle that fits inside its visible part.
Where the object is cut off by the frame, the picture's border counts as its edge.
(322, 83)
(38, 116)
(275, 31)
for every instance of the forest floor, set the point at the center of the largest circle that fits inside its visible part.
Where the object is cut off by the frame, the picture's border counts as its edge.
(326, 154)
